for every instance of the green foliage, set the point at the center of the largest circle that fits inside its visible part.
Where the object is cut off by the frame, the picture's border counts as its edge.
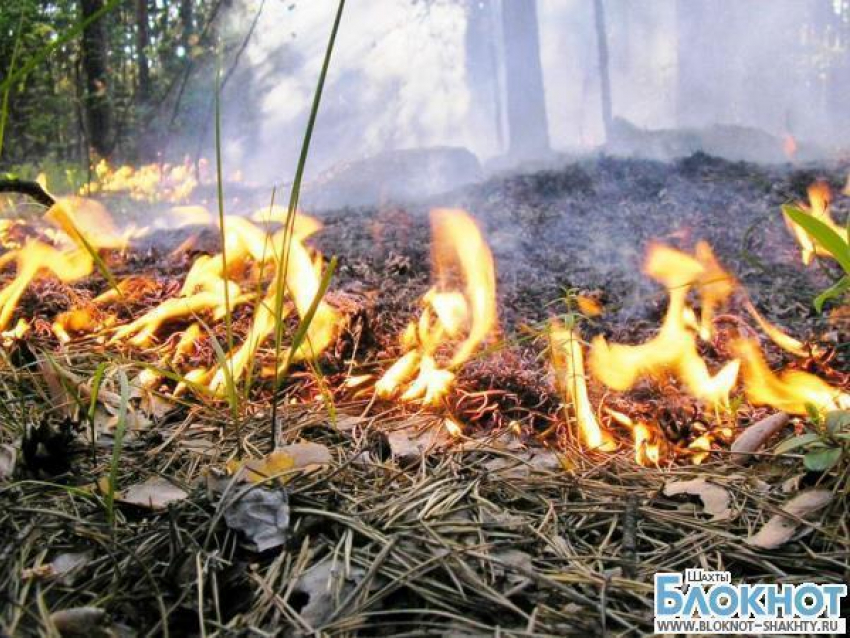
(118, 441)
(45, 85)
(827, 238)
(826, 445)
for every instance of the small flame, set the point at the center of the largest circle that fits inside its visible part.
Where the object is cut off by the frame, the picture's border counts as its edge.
(780, 338)
(451, 312)
(674, 348)
(820, 198)
(452, 427)
(791, 390)
(789, 147)
(647, 440)
(568, 362)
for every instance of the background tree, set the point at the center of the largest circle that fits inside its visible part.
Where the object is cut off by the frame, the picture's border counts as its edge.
(98, 109)
(528, 129)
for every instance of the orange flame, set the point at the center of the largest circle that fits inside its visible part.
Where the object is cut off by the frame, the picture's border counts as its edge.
(820, 198)
(790, 391)
(85, 227)
(789, 147)
(151, 182)
(674, 348)
(568, 363)
(451, 312)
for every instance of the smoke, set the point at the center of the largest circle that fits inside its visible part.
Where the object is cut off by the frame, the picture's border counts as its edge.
(396, 80)
(737, 75)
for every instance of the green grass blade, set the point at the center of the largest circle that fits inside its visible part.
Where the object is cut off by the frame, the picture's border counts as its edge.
(97, 379)
(836, 290)
(228, 319)
(304, 325)
(823, 234)
(120, 429)
(294, 196)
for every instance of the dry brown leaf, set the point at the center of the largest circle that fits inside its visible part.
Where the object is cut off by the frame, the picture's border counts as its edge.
(410, 444)
(755, 436)
(81, 621)
(780, 528)
(715, 499)
(525, 464)
(297, 456)
(156, 493)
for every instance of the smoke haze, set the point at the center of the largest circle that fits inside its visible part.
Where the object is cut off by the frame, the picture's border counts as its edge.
(415, 74)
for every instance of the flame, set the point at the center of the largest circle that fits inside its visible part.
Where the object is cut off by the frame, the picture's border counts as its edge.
(302, 278)
(461, 305)
(85, 226)
(789, 147)
(791, 390)
(674, 348)
(820, 198)
(33, 260)
(568, 362)
(780, 338)
(648, 443)
(151, 182)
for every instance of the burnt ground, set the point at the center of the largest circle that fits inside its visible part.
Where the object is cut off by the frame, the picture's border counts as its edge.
(587, 226)
(468, 540)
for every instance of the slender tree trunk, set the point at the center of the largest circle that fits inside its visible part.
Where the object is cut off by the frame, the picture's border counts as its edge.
(528, 130)
(97, 106)
(143, 91)
(604, 72)
(482, 70)
(186, 25)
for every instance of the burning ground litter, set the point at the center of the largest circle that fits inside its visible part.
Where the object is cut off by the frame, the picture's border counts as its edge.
(491, 497)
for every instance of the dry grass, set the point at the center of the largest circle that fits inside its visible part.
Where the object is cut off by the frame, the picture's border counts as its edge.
(479, 538)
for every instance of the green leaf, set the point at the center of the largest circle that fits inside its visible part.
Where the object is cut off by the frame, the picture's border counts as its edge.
(797, 442)
(836, 290)
(814, 414)
(823, 234)
(837, 420)
(822, 460)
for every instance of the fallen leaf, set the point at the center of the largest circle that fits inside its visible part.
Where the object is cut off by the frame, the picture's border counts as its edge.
(346, 422)
(8, 457)
(781, 527)
(325, 585)
(261, 514)
(155, 494)
(81, 621)
(753, 438)
(297, 456)
(66, 565)
(411, 443)
(715, 499)
(61, 568)
(527, 463)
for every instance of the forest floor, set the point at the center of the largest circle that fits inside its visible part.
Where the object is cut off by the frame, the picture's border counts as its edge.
(378, 521)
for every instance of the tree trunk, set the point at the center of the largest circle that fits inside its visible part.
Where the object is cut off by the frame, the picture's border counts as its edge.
(96, 99)
(528, 131)
(186, 25)
(482, 71)
(144, 87)
(604, 73)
